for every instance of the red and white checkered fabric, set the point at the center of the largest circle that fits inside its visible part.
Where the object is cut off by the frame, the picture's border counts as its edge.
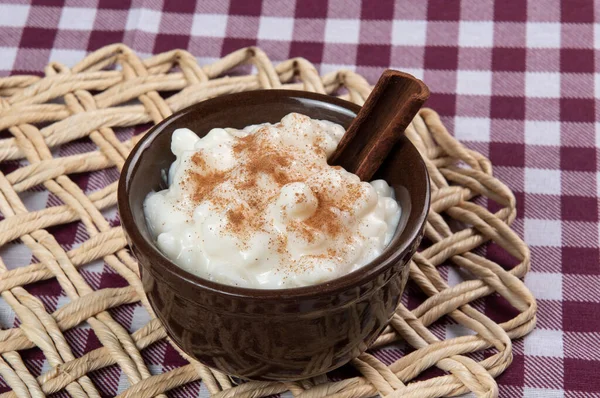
(517, 80)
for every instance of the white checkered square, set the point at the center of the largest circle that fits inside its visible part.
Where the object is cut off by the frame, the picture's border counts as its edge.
(416, 72)
(7, 59)
(132, 19)
(545, 285)
(542, 181)
(123, 383)
(531, 392)
(15, 256)
(67, 57)
(544, 343)
(453, 331)
(543, 232)
(274, 28)
(140, 318)
(327, 68)
(476, 34)
(206, 60)
(46, 367)
(542, 84)
(543, 35)
(474, 82)
(62, 301)
(13, 14)
(409, 33)
(143, 19)
(77, 18)
(7, 316)
(34, 200)
(472, 128)
(342, 31)
(454, 276)
(542, 132)
(210, 25)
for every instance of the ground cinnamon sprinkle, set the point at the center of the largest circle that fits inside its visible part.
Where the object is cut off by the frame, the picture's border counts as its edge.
(236, 217)
(270, 163)
(318, 145)
(199, 160)
(245, 143)
(330, 253)
(263, 158)
(324, 219)
(258, 156)
(281, 244)
(304, 231)
(352, 195)
(205, 183)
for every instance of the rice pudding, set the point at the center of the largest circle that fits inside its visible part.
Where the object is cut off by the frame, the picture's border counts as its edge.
(261, 208)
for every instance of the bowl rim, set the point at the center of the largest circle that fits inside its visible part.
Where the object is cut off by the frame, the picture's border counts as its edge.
(364, 273)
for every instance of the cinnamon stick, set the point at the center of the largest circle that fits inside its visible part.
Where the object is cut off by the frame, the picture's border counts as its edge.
(393, 103)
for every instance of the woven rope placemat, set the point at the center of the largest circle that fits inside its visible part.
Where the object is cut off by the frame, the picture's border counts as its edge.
(111, 89)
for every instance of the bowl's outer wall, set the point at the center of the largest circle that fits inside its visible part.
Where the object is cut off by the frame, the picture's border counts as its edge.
(286, 337)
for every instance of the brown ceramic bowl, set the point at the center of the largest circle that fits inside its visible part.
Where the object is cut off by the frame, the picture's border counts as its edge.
(285, 334)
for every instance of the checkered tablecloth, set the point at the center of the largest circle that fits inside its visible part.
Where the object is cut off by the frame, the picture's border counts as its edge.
(518, 81)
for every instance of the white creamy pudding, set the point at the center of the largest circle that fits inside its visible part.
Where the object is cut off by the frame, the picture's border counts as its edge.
(261, 208)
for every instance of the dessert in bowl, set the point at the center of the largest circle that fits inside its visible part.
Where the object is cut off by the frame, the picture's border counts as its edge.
(260, 207)
(282, 293)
